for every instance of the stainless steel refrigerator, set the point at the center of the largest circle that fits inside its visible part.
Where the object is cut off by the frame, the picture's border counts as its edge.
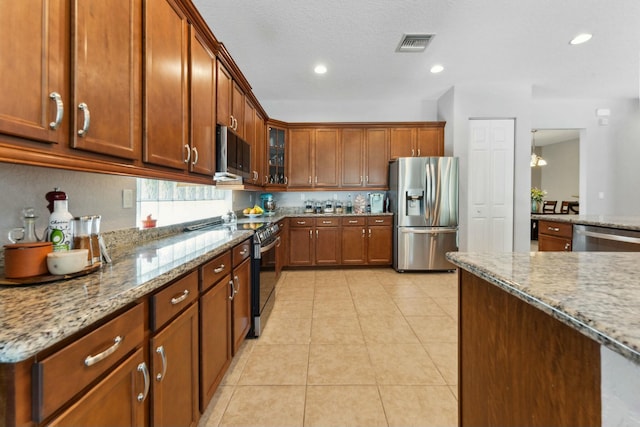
(423, 197)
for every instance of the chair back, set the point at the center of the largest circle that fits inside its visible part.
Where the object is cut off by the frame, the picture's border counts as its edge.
(549, 206)
(564, 207)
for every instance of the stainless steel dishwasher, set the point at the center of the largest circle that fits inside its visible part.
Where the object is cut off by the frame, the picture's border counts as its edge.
(592, 238)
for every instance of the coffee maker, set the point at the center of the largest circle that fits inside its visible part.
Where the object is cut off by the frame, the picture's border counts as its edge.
(268, 204)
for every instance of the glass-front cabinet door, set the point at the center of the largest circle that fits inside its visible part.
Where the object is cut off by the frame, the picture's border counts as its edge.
(276, 160)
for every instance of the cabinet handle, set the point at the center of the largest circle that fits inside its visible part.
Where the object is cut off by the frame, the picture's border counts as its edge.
(360, 179)
(316, 234)
(556, 229)
(160, 351)
(231, 294)
(353, 221)
(92, 360)
(369, 233)
(418, 152)
(567, 246)
(256, 176)
(232, 121)
(309, 179)
(87, 119)
(326, 222)
(286, 180)
(219, 269)
(363, 232)
(367, 179)
(311, 234)
(178, 300)
(235, 290)
(188, 151)
(379, 221)
(195, 156)
(278, 240)
(316, 179)
(59, 110)
(301, 222)
(413, 152)
(243, 251)
(142, 367)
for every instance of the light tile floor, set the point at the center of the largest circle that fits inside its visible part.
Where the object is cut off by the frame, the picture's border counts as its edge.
(365, 347)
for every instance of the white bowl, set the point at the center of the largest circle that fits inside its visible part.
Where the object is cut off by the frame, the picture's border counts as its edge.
(67, 262)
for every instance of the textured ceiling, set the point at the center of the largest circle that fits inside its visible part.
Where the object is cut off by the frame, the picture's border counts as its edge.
(276, 43)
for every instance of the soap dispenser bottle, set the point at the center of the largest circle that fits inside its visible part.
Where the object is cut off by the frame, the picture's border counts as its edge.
(59, 230)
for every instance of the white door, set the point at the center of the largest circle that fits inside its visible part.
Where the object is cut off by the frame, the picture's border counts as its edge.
(490, 196)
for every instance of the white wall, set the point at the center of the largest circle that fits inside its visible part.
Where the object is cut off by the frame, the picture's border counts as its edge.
(561, 176)
(375, 110)
(609, 175)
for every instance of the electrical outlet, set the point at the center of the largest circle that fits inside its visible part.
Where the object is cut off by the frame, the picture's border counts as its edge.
(127, 199)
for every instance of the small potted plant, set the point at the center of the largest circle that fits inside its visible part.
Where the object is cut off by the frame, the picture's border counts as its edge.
(536, 198)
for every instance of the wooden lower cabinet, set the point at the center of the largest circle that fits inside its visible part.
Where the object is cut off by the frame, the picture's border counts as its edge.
(174, 372)
(354, 240)
(241, 303)
(519, 366)
(118, 400)
(555, 236)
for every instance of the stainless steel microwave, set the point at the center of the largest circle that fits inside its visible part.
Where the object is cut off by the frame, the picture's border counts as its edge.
(233, 154)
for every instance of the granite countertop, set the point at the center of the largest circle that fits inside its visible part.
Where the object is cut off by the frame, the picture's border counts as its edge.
(596, 293)
(38, 316)
(610, 221)
(297, 213)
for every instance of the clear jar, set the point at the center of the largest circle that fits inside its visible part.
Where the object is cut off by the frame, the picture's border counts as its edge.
(82, 235)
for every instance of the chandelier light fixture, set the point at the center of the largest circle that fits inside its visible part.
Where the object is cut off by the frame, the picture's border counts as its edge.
(535, 159)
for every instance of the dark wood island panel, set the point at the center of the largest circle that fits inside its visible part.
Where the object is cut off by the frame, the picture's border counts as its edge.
(520, 366)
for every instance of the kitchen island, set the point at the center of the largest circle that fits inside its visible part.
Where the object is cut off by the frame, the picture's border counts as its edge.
(547, 338)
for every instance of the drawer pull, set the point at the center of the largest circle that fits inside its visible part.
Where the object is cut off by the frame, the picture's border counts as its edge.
(567, 246)
(301, 222)
(379, 221)
(219, 269)
(556, 229)
(326, 222)
(353, 221)
(178, 300)
(145, 372)
(160, 351)
(92, 360)
(243, 251)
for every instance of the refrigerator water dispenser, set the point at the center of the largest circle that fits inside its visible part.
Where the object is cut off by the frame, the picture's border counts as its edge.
(415, 201)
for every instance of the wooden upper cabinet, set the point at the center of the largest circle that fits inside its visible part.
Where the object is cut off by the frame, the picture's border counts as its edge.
(417, 141)
(258, 149)
(224, 86)
(249, 121)
(107, 55)
(352, 158)
(376, 156)
(35, 70)
(325, 159)
(166, 85)
(403, 142)
(237, 109)
(430, 142)
(203, 107)
(299, 155)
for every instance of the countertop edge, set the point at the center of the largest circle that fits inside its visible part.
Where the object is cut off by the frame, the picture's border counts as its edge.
(600, 336)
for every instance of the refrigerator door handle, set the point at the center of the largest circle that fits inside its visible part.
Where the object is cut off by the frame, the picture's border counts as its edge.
(427, 199)
(428, 231)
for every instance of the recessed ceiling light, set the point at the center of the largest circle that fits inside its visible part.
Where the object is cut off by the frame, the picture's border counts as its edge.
(320, 69)
(437, 69)
(581, 38)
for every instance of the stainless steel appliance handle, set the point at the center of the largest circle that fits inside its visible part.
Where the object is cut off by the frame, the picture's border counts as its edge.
(427, 199)
(142, 367)
(614, 237)
(270, 246)
(160, 351)
(92, 360)
(428, 231)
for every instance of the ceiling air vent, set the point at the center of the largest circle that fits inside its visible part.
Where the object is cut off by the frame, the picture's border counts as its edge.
(414, 42)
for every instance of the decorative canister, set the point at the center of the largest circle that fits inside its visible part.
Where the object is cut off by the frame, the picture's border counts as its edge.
(26, 259)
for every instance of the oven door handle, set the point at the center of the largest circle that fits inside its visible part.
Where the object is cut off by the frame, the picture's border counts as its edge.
(270, 246)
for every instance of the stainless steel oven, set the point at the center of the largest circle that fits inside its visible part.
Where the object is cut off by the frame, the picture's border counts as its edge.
(264, 275)
(603, 239)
